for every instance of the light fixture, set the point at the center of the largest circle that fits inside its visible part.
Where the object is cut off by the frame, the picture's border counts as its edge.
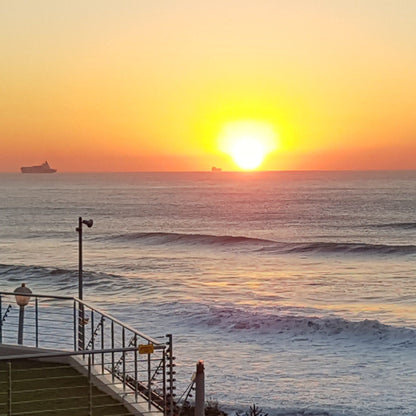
(22, 294)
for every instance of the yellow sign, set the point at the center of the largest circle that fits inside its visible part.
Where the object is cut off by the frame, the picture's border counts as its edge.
(146, 349)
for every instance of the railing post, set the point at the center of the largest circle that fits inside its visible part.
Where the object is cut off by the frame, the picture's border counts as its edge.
(136, 382)
(112, 353)
(149, 381)
(75, 325)
(200, 390)
(165, 410)
(92, 334)
(37, 321)
(89, 387)
(102, 344)
(124, 358)
(9, 389)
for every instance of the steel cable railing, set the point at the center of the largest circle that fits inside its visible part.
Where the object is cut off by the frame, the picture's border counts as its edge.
(141, 366)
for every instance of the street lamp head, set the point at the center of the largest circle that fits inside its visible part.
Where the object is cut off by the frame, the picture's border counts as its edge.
(21, 294)
(88, 223)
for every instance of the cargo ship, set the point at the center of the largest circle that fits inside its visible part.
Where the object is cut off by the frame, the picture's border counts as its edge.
(43, 168)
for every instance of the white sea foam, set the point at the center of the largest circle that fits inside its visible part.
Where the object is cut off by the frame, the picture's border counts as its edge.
(282, 323)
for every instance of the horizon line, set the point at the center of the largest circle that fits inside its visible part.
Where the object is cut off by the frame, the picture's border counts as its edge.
(229, 171)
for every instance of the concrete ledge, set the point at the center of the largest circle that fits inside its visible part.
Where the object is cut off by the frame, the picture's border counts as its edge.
(104, 382)
(13, 350)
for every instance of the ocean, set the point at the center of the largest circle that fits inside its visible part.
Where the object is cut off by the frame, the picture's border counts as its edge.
(297, 289)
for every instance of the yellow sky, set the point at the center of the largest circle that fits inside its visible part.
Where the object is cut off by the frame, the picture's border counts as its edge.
(137, 85)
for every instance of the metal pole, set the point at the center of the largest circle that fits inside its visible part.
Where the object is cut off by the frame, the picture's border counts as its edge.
(88, 223)
(9, 395)
(200, 390)
(165, 410)
(89, 387)
(21, 320)
(37, 321)
(22, 294)
(92, 335)
(136, 384)
(112, 347)
(124, 358)
(79, 229)
(149, 382)
(74, 306)
(81, 322)
(102, 344)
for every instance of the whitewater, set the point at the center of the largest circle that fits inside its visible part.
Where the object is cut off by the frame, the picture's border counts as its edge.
(297, 289)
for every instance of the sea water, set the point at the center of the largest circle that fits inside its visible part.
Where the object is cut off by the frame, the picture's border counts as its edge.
(297, 289)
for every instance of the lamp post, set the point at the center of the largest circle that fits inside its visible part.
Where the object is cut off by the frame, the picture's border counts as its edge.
(89, 224)
(22, 294)
(81, 321)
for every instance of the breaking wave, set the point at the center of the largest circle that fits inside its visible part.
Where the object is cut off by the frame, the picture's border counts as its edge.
(160, 238)
(55, 278)
(342, 248)
(304, 327)
(264, 245)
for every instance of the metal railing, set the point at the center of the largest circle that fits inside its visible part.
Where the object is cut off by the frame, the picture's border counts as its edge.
(141, 367)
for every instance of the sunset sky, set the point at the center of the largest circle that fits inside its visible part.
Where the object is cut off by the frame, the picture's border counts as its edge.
(104, 85)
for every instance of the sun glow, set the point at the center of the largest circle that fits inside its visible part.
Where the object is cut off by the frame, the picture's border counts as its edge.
(248, 153)
(247, 142)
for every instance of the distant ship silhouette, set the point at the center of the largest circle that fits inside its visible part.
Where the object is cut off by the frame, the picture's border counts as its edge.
(43, 168)
(214, 169)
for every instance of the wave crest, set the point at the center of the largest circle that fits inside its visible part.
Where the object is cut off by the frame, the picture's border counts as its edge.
(308, 327)
(159, 238)
(57, 278)
(343, 248)
(264, 245)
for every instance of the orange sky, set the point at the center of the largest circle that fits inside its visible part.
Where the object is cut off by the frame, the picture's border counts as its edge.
(134, 85)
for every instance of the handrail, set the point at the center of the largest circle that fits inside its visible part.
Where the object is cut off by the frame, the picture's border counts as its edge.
(100, 311)
(117, 321)
(64, 354)
(120, 354)
(39, 296)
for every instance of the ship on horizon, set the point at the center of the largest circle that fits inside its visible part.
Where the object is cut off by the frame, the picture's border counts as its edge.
(43, 168)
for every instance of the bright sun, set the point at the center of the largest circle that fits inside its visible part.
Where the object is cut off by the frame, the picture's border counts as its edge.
(248, 152)
(247, 142)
